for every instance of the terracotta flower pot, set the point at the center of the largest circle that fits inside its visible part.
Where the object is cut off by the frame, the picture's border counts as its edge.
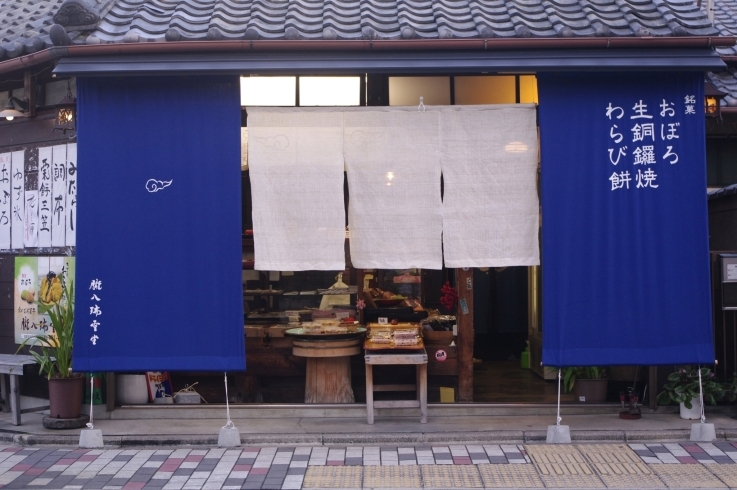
(590, 390)
(65, 397)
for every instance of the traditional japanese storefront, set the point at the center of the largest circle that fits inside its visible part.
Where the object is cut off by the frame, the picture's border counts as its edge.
(637, 170)
(621, 150)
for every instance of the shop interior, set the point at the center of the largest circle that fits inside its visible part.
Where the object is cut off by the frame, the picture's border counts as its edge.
(506, 312)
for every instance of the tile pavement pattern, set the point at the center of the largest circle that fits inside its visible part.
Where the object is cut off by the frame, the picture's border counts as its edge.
(675, 465)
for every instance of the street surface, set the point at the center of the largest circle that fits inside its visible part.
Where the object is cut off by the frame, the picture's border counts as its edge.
(631, 466)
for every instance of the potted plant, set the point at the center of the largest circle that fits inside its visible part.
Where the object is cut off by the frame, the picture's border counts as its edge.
(589, 384)
(730, 389)
(682, 387)
(53, 353)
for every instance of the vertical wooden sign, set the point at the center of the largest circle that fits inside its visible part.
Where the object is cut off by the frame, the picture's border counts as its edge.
(59, 195)
(5, 209)
(71, 224)
(44, 197)
(17, 197)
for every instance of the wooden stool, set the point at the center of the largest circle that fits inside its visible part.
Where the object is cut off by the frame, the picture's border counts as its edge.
(419, 359)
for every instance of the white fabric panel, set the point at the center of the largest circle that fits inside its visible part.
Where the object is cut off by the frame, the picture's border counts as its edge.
(490, 202)
(296, 165)
(393, 165)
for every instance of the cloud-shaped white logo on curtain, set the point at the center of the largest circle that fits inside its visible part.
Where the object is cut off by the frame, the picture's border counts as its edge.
(153, 185)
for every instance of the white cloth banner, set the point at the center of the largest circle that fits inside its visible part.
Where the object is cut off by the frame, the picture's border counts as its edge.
(295, 158)
(393, 164)
(490, 201)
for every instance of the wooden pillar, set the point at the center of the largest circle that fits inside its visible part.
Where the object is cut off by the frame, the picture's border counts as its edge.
(652, 381)
(29, 87)
(111, 388)
(464, 316)
(359, 294)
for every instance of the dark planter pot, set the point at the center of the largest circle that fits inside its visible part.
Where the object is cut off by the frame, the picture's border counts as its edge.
(65, 397)
(590, 390)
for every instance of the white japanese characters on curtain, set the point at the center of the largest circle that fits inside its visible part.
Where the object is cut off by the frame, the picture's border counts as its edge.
(649, 126)
(38, 212)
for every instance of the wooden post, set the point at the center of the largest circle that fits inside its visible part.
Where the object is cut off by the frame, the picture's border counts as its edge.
(359, 293)
(4, 392)
(14, 400)
(111, 389)
(464, 320)
(652, 381)
(29, 87)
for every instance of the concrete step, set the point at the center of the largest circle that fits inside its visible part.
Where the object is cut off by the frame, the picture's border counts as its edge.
(253, 411)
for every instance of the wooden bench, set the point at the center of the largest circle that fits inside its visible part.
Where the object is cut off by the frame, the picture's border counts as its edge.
(11, 366)
(419, 359)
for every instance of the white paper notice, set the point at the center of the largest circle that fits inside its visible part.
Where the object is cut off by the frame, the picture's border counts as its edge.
(30, 220)
(59, 195)
(17, 197)
(71, 224)
(5, 209)
(731, 272)
(44, 197)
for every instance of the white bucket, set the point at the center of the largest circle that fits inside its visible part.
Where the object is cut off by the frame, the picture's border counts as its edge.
(692, 413)
(131, 389)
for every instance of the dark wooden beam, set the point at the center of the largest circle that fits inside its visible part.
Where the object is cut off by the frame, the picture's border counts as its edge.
(464, 316)
(29, 87)
(652, 380)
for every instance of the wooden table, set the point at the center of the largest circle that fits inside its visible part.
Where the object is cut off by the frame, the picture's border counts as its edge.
(328, 377)
(11, 366)
(397, 357)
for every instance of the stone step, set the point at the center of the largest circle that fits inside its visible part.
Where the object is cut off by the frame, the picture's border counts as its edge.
(251, 411)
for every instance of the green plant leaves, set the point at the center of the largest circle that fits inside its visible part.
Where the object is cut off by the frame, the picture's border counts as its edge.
(54, 352)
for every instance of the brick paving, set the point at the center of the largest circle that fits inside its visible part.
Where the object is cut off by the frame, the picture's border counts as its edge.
(666, 465)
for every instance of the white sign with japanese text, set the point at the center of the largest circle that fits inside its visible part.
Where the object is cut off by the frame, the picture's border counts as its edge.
(59, 195)
(5, 209)
(30, 220)
(71, 221)
(44, 196)
(17, 199)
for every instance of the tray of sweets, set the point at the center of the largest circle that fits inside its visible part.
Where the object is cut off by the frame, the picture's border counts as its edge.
(330, 333)
(368, 344)
(401, 325)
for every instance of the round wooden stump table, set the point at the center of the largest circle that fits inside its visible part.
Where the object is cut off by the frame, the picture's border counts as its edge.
(328, 368)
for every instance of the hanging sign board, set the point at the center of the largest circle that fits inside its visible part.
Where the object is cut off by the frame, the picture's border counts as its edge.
(162, 197)
(624, 213)
(38, 281)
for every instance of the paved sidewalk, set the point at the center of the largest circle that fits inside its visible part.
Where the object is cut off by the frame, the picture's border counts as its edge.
(631, 466)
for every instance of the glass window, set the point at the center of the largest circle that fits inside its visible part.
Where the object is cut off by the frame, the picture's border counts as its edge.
(329, 91)
(408, 90)
(268, 91)
(528, 89)
(55, 91)
(485, 90)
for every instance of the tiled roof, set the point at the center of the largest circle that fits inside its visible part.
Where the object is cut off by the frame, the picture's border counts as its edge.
(725, 81)
(26, 22)
(725, 20)
(398, 19)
